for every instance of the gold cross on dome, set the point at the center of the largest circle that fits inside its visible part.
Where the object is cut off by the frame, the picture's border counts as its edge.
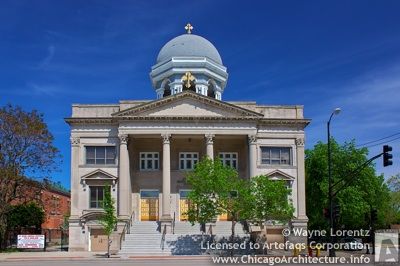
(187, 78)
(189, 28)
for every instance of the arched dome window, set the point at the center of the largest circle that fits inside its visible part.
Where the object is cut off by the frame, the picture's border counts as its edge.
(167, 90)
(211, 89)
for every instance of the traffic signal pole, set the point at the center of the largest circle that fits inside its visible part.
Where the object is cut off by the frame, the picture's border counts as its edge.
(387, 161)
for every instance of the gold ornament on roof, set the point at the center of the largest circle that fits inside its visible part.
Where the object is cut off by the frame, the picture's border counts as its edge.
(189, 28)
(187, 78)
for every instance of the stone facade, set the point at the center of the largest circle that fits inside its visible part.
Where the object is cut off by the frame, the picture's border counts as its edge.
(152, 143)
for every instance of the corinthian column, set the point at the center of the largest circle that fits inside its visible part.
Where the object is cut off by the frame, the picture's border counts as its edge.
(301, 185)
(166, 179)
(75, 188)
(252, 155)
(210, 145)
(124, 179)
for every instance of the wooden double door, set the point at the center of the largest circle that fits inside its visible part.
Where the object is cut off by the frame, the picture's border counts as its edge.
(98, 240)
(149, 205)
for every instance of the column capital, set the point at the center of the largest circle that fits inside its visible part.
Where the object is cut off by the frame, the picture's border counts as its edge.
(252, 139)
(123, 139)
(209, 138)
(75, 141)
(165, 138)
(300, 142)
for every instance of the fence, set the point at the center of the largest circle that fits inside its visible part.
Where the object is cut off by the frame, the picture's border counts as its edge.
(54, 237)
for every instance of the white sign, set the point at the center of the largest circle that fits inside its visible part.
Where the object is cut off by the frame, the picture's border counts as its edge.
(30, 241)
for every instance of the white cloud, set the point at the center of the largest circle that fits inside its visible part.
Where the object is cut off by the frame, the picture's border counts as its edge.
(51, 50)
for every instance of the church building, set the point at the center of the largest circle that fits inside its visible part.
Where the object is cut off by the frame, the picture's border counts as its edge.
(144, 148)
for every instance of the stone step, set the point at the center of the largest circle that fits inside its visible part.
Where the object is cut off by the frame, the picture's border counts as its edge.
(144, 239)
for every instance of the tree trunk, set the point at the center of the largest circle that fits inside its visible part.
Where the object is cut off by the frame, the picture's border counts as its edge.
(108, 246)
(3, 231)
(233, 234)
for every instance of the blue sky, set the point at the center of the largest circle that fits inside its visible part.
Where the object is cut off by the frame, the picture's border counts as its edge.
(320, 54)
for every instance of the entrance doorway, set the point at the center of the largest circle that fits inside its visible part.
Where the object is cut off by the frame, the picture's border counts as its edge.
(98, 240)
(183, 204)
(149, 205)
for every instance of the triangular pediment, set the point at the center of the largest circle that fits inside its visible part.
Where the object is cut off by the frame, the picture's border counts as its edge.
(188, 104)
(279, 175)
(99, 175)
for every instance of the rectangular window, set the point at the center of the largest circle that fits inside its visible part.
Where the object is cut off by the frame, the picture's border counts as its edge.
(100, 155)
(276, 155)
(96, 196)
(187, 160)
(229, 159)
(149, 161)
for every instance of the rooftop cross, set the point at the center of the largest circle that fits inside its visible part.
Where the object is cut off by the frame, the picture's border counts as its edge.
(187, 78)
(189, 28)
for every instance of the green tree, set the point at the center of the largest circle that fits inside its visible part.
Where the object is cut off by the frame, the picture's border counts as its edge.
(392, 216)
(25, 216)
(360, 188)
(270, 200)
(216, 190)
(26, 147)
(109, 219)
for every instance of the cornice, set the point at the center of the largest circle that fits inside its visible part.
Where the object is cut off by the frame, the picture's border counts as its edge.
(90, 120)
(117, 120)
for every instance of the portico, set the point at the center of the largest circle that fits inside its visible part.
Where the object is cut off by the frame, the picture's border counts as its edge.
(165, 171)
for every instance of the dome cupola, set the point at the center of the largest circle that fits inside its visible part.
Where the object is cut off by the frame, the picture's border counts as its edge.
(189, 62)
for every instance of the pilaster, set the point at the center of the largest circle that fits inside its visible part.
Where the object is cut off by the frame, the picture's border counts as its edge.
(301, 185)
(75, 180)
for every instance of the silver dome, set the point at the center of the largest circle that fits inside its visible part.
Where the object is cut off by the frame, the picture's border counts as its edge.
(189, 45)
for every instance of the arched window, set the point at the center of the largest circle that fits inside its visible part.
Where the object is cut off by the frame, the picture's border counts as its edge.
(211, 89)
(167, 90)
(165, 86)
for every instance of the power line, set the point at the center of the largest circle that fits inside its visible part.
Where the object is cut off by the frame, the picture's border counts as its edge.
(384, 142)
(369, 142)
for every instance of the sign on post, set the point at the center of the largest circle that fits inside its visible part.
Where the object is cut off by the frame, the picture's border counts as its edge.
(31, 241)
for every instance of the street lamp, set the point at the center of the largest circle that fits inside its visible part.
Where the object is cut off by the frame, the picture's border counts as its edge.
(331, 222)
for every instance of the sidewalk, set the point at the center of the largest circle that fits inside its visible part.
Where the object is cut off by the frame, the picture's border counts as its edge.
(41, 255)
(86, 255)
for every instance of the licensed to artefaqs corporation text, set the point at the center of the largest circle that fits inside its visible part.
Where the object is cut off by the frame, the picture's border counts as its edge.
(252, 246)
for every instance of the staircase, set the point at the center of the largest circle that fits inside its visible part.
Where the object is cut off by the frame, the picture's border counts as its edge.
(145, 238)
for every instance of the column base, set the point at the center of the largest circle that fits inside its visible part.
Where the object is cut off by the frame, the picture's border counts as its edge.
(298, 230)
(166, 224)
(123, 218)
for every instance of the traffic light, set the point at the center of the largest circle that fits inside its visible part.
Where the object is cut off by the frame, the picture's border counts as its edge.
(387, 157)
(336, 212)
(374, 215)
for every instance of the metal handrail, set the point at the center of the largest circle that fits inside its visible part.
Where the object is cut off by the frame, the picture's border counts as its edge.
(163, 237)
(209, 231)
(126, 229)
(173, 225)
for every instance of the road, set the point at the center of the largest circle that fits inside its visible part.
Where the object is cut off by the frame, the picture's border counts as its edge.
(130, 262)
